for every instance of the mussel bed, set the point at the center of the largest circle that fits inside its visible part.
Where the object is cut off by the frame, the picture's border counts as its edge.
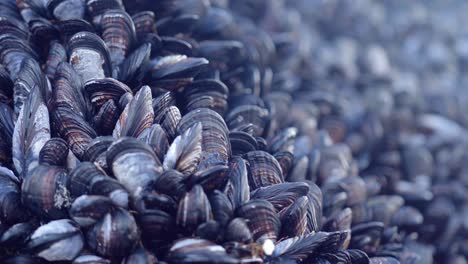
(233, 131)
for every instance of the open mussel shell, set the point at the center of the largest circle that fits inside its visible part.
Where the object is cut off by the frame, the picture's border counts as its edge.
(134, 164)
(54, 152)
(262, 220)
(115, 235)
(194, 209)
(44, 191)
(89, 56)
(59, 240)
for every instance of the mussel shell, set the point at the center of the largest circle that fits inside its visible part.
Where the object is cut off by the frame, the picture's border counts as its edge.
(87, 210)
(133, 68)
(6, 82)
(140, 256)
(263, 169)
(97, 8)
(221, 206)
(115, 235)
(44, 191)
(68, 90)
(11, 209)
(17, 235)
(54, 152)
(156, 137)
(90, 259)
(171, 182)
(157, 228)
(126, 156)
(215, 144)
(144, 23)
(106, 118)
(281, 195)
(97, 149)
(58, 240)
(66, 9)
(294, 218)
(245, 114)
(238, 230)
(262, 219)
(102, 90)
(57, 54)
(198, 250)
(194, 209)
(182, 24)
(118, 32)
(87, 178)
(74, 129)
(70, 27)
(185, 152)
(89, 56)
(169, 118)
(137, 116)
(237, 188)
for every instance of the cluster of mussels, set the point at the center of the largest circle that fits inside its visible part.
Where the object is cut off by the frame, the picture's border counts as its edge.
(228, 131)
